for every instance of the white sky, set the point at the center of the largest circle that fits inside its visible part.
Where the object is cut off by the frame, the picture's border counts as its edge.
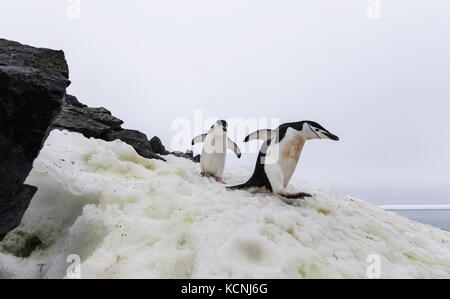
(382, 84)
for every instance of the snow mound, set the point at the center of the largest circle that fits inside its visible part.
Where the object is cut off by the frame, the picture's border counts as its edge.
(129, 217)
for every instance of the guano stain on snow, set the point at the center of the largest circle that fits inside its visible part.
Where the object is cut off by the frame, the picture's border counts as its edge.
(129, 217)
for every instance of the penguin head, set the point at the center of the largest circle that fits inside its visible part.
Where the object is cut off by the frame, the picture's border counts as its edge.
(312, 130)
(220, 124)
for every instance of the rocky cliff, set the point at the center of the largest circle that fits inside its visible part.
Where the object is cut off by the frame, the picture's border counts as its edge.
(33, 101)
(33, 84)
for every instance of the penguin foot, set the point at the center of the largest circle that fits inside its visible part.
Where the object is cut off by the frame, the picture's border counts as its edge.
(207, 175)
(220, 180)
(299, 195)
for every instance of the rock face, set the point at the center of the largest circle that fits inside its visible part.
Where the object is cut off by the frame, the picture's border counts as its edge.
(91, 122)
(158, 147)
(33, 85)
(33, 97)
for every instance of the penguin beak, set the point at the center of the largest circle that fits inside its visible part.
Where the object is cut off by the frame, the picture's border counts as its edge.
(331, 136)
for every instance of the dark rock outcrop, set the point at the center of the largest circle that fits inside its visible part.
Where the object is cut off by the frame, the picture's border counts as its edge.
(158, 147)
(18, 55)
(91, 122)
(73, 101)
(33, 85)
(187, 155)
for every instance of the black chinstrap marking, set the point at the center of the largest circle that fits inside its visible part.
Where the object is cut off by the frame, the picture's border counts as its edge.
(314, 131)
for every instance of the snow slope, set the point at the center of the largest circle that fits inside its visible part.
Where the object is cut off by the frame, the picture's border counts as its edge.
(126, 216)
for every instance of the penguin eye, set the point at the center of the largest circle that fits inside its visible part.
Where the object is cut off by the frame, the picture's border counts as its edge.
(317, 130)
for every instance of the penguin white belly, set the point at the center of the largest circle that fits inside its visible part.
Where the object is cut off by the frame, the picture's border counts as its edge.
(212, 160)
(282, 159)
(213, 163)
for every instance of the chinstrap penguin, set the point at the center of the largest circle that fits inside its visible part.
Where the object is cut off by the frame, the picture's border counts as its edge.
(279, 155)
(215, 145)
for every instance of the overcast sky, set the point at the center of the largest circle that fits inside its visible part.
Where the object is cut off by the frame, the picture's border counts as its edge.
(381, 84)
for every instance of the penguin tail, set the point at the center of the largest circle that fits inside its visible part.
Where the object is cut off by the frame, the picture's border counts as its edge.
(238, 187)
(252, 182)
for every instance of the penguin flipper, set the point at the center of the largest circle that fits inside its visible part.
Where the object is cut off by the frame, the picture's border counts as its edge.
(232, 146)
(199, 138)
(261, 134)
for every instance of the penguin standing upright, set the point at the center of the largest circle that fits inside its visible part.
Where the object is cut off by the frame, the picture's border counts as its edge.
(279, 155)
(216, 143)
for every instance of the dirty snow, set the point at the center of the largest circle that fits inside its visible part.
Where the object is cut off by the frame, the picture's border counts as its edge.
(129, 217)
